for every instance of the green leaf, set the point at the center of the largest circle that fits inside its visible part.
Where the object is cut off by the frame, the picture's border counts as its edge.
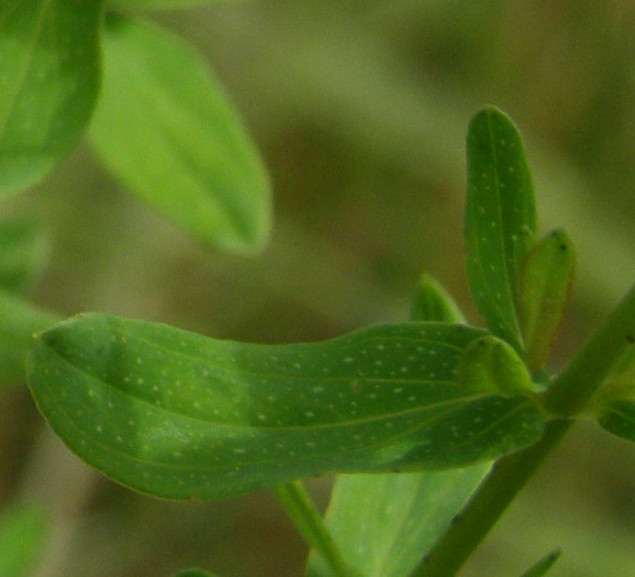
(433, 303)
(22, 249)
(22, 533)
(489, 364)
(543, 565)
(166, 129)
(383, 524)
(49, 59)
(178, 415)
(499, 220)
(18, 321)
(618, 418)
(545, 284)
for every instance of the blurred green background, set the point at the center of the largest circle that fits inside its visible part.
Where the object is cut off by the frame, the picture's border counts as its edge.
(360, 109)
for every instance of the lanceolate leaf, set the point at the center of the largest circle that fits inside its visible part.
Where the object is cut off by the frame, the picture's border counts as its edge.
(18, 321)
(178, 415)
(499, 220)
(165, 128)
(545, 283)
(49, 65)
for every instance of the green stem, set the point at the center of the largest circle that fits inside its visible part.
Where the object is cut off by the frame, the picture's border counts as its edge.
(300, 508)
(568, 395)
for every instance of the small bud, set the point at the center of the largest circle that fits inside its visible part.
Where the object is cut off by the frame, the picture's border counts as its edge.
(490, 365)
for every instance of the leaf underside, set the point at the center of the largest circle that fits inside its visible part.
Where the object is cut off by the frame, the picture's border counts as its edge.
(179, 415)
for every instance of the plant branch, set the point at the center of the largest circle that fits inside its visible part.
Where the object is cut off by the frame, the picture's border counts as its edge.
(295, 500)
(568, 395)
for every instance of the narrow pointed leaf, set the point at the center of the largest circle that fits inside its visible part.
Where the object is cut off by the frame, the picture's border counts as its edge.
(383, 524)
(22, 538)
(19, 320)
(433, 303)
(178, 415)
(21, 251)
(543, 565)
(500, 220)
(165, 128)
(49, 64)
(545, 284)
(618, 418)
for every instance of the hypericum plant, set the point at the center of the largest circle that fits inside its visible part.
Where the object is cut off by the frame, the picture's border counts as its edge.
(432, 426)
(425, 406)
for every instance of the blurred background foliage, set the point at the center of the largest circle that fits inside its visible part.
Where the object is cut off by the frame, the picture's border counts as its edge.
(360, 108)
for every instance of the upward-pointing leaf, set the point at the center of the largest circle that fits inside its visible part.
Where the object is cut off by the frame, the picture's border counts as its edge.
(178, 415)
(49, 66)
(500, 220)
(165, 128)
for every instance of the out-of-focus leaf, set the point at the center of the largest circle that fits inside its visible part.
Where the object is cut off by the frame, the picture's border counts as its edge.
(383, 524)
(19, 320)
(543, 565)
(164, 126)
(49, 65)
(178, 415)
(21, 251)
(22, 535)
(500, 220)
(545, 284)
(618, 418)
(433, 303)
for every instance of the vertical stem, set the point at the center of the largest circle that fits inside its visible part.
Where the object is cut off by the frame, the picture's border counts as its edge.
(298, 505)
(569, 394)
